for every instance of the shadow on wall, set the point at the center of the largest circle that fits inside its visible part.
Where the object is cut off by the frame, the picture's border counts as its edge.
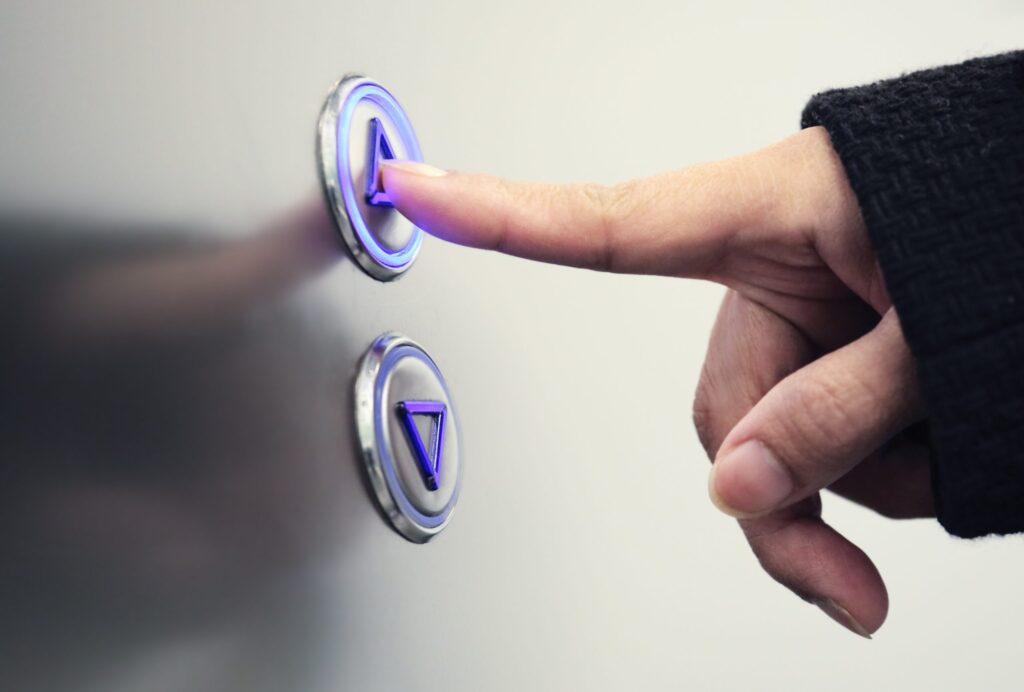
(176, 458)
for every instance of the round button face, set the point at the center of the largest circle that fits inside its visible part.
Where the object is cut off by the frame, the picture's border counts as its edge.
(361, 125)
(409, 436)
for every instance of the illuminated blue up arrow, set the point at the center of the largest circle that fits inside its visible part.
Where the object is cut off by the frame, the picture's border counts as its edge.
(428, 456)
(380, 148)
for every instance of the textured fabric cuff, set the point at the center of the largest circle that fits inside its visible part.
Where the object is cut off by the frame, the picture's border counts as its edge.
(936, 159)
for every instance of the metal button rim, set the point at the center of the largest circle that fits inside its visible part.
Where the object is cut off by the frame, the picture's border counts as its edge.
(385, 351)
(377, 261)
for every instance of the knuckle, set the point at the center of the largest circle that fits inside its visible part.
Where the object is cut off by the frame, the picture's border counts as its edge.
(506, 224)
(823, 413)
(876, 292)
(814, 193)
(703, 413)
(609, 205)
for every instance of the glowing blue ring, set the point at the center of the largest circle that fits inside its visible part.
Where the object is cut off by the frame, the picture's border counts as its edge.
(429, 521)
(395, 259)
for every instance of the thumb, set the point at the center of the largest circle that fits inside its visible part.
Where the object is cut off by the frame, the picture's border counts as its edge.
(818, 423)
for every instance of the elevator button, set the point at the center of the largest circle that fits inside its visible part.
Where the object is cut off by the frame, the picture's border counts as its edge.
(409, 438)
(362, 124)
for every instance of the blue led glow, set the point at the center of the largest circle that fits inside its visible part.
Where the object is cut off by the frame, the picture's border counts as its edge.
(428, 456)
(387, 461)
(379, 96)
(380, 148)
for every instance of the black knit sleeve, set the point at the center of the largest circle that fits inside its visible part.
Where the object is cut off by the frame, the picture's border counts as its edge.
(936, 159)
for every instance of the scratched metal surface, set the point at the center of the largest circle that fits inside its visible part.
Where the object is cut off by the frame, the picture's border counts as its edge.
(180, 498)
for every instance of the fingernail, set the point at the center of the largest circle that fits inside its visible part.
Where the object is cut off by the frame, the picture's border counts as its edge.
(841, 615)
(415, 167)
(748, 480)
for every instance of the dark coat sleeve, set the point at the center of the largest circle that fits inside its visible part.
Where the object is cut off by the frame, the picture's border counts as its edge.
(936, 159)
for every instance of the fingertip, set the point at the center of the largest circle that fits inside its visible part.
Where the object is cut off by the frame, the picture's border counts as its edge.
(716, 498)
(425, 195)
(842, 616)
(408, 183)
(747, 480)
(399, 168)
(820, 566)
(847, 586)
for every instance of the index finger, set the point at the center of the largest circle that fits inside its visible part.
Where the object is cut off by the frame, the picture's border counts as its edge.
(679, 223)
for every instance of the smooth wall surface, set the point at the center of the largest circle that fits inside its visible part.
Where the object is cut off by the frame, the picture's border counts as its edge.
(185, 505)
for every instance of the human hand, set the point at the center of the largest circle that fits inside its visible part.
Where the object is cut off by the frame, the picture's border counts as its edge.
(808, 383)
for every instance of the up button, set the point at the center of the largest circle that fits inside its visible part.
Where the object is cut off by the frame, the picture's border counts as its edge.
(362, 124)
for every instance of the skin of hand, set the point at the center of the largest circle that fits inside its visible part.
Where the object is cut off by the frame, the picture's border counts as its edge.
(808, 383)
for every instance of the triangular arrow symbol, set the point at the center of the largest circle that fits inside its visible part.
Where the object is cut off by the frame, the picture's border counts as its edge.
(429, 455)
(380, 148)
